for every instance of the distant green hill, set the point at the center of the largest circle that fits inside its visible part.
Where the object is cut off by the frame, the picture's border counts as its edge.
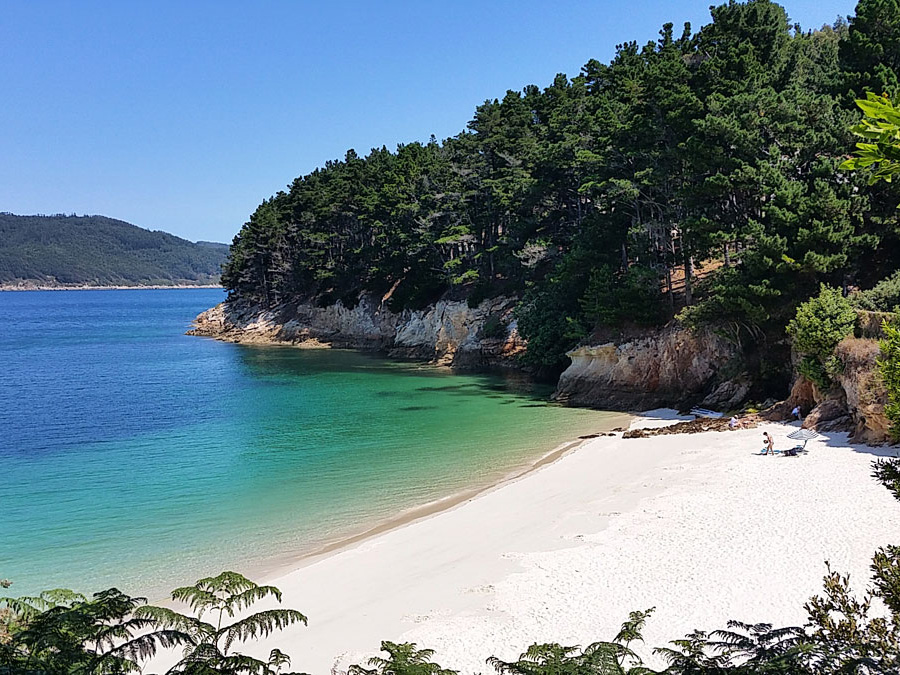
(99, 251)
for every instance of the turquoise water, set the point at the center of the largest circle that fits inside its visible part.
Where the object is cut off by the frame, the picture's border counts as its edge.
(136, 456)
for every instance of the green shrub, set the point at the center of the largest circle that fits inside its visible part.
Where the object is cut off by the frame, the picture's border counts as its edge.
(819, 325)
(889, 365)
(493, 328)
(882, 297)
(550, 323)
(613, 297)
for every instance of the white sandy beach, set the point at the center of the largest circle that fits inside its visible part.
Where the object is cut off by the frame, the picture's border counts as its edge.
(699, 526)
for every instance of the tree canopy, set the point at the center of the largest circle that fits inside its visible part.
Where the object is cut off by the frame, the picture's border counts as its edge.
(696, 173)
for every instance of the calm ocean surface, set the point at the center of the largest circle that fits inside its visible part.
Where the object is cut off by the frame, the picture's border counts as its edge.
(133, 455)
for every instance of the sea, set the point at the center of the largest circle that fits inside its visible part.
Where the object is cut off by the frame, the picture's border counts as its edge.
(137, 457)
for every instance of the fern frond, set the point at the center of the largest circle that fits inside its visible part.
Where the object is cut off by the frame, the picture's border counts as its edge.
(198, 599)
(257, 625)
(227, 582)
(169, 618)
(248, 597)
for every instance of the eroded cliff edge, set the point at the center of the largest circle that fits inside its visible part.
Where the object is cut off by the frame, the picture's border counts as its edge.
(672, 367)
(855, 402)
(669, 367)
(447, 333)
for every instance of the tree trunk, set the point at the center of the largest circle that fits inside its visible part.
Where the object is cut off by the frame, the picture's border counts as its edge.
(688, 272)
(669, 292)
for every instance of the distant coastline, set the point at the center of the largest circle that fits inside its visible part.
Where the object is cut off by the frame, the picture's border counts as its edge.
(88, 252)
(82, 287)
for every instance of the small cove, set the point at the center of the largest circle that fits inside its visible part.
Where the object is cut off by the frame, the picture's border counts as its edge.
(136, 456)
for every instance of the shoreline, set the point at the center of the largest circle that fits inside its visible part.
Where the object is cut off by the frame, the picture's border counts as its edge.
(695, 525)
(153, 287)
(274, 568)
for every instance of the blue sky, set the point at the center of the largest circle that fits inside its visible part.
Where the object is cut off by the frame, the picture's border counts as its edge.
(183, 116)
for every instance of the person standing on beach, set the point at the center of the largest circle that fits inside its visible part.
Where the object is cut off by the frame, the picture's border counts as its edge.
(770, 443)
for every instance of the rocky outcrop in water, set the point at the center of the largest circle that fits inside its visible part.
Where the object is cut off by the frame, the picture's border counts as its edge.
(446, 333)
(671, 367)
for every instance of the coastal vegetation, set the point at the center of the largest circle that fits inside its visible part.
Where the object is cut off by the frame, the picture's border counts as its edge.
(696, 175)
(63, 250)
(881, 129)
(61, 631)
(819, 325)
(889, 367)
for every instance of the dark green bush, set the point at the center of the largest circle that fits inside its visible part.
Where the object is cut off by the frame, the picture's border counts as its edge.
(882, 297)
(819, 325)
(493, 328)
(889, 365)
(623, 296)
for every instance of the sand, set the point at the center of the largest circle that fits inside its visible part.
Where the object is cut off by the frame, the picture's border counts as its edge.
(698, 526)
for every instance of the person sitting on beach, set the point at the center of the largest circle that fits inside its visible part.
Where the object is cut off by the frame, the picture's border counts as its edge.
(770, 443)
(795, 413)
(734, 423)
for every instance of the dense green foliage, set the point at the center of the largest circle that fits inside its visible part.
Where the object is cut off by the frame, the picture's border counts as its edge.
(820, 323)
(881, 130)
(615, 657)
(209, 645)
(882, 297)
(595, 199)
(871, 53)
(889, 366)
(402, 659)
(100, 251)
(64, 633)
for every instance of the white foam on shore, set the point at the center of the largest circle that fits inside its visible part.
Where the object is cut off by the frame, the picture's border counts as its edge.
(699, 526)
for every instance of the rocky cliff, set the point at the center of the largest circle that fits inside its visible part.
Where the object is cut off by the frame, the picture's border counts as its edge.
(855, 402)
(671, 367)
(447, 333)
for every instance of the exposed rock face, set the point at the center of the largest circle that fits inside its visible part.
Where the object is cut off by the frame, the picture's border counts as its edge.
(864, 390)
(447, 333)
(855, 403)
(829, 415)
(729, 394)
(666, 368)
